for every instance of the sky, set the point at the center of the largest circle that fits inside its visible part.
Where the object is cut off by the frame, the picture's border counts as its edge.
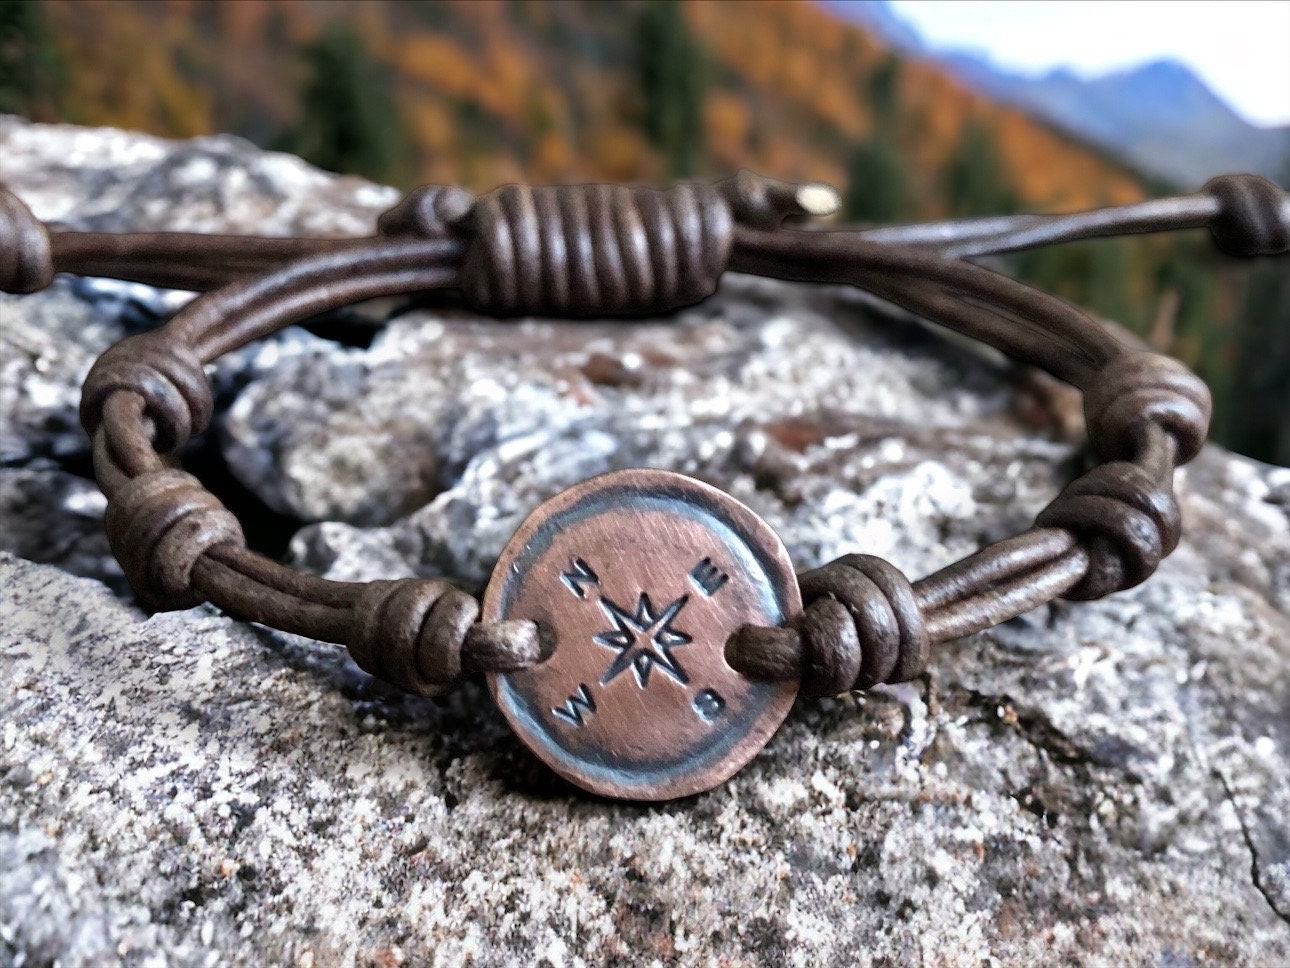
(1240, 48)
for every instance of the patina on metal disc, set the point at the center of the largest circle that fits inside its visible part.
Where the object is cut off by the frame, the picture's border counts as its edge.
(641, 576)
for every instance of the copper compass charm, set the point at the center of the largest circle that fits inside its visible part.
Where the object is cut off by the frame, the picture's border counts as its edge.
(641, 576)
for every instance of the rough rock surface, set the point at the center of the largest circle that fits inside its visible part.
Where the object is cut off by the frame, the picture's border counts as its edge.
(1101, 783)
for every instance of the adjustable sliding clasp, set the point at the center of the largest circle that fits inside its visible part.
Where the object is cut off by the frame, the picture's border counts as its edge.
(594, 250)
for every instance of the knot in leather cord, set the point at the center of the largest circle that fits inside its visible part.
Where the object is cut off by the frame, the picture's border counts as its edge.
(421, 635)
(158, 525)
(166, 374)
(1127, 520)
(26, 263)
(431, 211)
(591, 250)
(1136, 388)
(861, 625)
(1253, 218)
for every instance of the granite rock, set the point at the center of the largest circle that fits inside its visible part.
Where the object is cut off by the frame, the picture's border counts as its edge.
(1088, 784)
(111, 181)
(55, 517)
(47, 343)
(104, 180)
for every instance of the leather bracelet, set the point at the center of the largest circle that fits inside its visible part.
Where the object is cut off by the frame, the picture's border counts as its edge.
(644, 633)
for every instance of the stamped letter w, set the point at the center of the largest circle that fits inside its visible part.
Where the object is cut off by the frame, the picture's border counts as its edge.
(578, 705)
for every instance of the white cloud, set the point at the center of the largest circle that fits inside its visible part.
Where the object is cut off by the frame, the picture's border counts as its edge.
(1240, 48)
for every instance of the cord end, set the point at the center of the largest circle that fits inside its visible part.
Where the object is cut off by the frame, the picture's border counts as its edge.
(817, 199)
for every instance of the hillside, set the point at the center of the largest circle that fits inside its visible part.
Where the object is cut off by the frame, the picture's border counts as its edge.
(490, 92)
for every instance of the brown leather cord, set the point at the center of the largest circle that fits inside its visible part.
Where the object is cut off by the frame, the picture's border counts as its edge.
(994, 235)
(337, 594)
(1247, 215)
(1028, 324)
(992, 565)
(986, 607)
(601, 250)
(151, 257)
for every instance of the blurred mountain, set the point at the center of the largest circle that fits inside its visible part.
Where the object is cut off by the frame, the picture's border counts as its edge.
(1159, 116)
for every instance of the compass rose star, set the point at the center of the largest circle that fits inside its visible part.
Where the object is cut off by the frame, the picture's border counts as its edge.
(643, 639)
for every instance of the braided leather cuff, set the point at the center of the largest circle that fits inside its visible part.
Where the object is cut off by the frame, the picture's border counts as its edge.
(553, 616)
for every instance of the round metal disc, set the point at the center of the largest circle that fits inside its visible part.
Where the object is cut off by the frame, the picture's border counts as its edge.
(641, 576)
